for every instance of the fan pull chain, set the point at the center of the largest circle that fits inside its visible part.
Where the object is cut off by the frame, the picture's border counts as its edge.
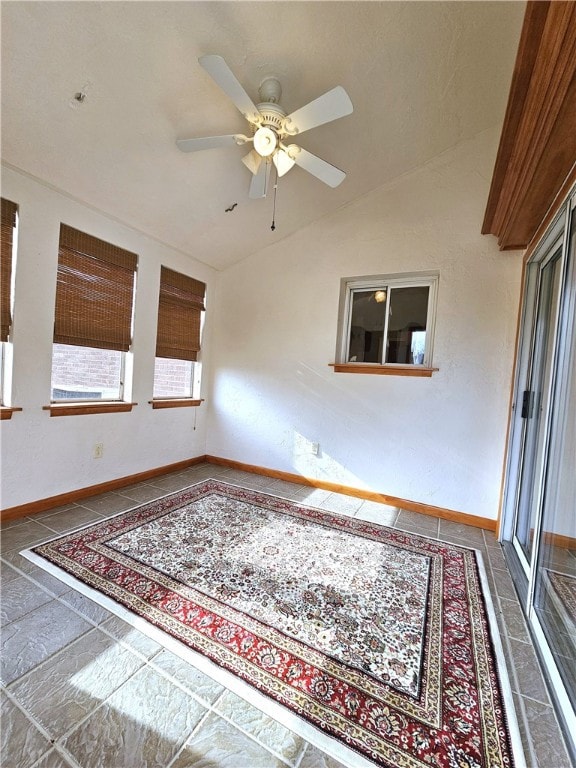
(273, 227)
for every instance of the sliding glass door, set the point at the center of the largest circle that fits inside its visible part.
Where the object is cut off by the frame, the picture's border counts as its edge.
(535, 402)
(539, 514)
(554, 599)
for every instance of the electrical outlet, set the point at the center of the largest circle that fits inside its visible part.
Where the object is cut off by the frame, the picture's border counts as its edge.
(98, 450)
(315, 449)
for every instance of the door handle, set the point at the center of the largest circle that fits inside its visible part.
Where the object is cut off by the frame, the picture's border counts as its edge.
(527, 401)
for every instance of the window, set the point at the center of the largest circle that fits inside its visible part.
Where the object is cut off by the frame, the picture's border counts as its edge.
(180, 315)
(8, 231)
(93, 318)
(387, 322)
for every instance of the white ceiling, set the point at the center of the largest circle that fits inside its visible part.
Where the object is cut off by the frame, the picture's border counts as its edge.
(422, 76)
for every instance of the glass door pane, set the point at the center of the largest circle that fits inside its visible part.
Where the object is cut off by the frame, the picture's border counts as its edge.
(535, 402)
(555, 585)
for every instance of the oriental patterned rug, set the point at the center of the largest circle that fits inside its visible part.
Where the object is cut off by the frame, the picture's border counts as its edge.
(565, 587)
(381, 642)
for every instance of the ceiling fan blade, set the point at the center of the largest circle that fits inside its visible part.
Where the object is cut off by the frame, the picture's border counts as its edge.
(327, 173)
(207, 142)
(223, 76)
(259, 183)
(331, 106)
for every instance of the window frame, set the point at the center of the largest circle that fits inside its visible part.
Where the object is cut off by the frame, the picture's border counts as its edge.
(92, 400)
(351, 285)
(109, 261)
(171, 279)
(194, 381)
(7, 351)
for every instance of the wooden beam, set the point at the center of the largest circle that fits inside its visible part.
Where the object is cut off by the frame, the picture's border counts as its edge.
(538, 143)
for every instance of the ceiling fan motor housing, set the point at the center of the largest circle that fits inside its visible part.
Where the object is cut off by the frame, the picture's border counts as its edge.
(272, 116)
(270, 90)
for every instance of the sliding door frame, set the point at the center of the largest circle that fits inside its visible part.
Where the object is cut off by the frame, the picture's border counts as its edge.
(524, 573)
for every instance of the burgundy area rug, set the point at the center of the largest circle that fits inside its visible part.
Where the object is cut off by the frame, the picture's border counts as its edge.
(382, 640)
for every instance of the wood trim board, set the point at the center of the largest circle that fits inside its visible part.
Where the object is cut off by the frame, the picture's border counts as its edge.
(41, 505)
(382, 498)
(538, 143)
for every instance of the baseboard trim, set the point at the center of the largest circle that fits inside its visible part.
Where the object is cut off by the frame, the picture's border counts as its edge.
(42, 505)
(559, 540)
(34, 507)
(412, 506)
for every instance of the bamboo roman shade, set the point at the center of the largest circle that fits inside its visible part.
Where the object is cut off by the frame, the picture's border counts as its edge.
(9, 210)
(179, 314)
(94, 292)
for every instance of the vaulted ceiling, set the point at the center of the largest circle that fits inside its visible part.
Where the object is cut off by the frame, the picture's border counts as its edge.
(422, 76)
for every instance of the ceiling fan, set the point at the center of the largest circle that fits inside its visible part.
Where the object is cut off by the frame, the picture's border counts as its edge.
(271, 128)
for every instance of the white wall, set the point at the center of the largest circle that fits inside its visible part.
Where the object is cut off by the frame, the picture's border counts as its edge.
(43, 456)
(437, 441)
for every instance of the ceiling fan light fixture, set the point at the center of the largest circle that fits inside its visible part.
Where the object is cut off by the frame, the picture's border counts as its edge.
(252, 161)
(265, 141)
(283, 162)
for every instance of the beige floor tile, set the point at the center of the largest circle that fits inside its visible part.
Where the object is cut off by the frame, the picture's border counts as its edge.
(264, 729)
(169, 483)
(39, 516)
(5, 524)
(108, 503)
(495, 556)
(7, 573)
(218, 744)
(237, 476)
(87, 608)
(24, 535)
(61, 692)
(314, 758)
(19, 597)
(313, 497)
(143, 723)
(53, 759)
(16, 560)
(503, 584)
(71, 519)
(47, 581)
(414, 522)
(550, 751)
(21, 742)
(37, 636)
(139, 494)
(188, 676)
(135, 639)
(343, 505)
(283, 488)
(514, 621)
(474, 536)
(527, 669)
(373, 512)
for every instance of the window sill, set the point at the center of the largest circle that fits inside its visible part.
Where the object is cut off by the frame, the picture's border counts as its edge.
(84, 409)
(175, 402)
(385, 370)
(6, 412)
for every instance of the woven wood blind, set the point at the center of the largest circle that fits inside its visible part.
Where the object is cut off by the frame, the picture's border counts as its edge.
(94, 292)
(179, 313)
(9, 210)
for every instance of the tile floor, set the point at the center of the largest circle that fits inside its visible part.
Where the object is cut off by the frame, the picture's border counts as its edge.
(82, 688)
